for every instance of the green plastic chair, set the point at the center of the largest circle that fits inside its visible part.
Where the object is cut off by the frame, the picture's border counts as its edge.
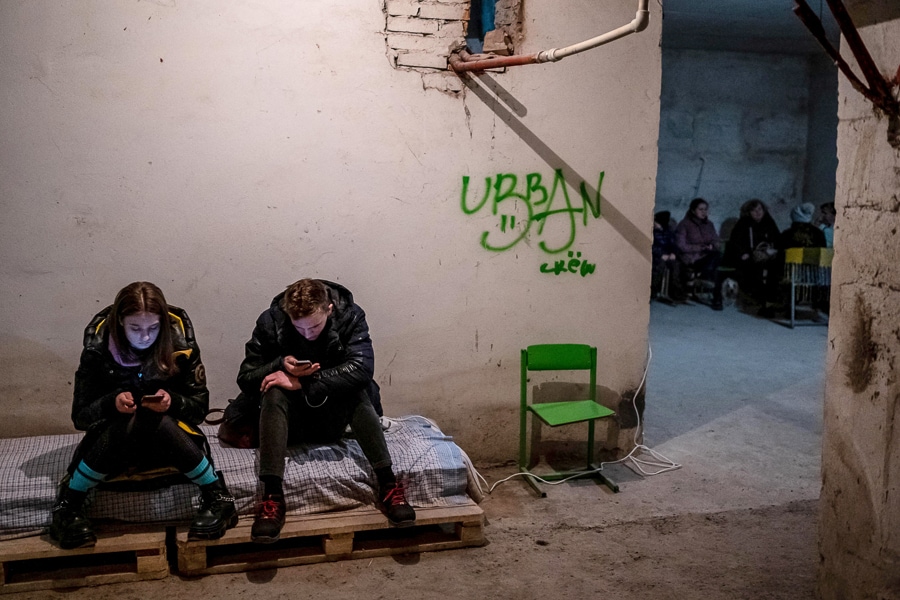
(561, 357)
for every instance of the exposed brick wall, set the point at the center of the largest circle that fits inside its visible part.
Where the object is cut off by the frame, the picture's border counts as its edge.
(420, 33)
(508, 16)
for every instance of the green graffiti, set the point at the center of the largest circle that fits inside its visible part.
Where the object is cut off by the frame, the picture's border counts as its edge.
(573, 265)
(518, 209)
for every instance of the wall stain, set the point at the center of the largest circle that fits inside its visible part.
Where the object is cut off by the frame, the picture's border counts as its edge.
(862, 350)
(628, 418)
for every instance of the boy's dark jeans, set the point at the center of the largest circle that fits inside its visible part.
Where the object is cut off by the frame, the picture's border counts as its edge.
(286, 418)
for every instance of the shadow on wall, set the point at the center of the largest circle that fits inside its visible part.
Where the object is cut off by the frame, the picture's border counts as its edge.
(489, 91)
(35, 390)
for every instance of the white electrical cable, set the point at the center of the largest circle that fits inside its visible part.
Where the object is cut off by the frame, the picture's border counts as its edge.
(659, 461)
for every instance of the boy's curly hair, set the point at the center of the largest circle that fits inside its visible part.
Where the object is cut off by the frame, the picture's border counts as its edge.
(304, 298)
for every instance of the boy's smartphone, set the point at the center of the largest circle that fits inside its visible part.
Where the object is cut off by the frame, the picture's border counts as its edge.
(154, 399)
(301, 363)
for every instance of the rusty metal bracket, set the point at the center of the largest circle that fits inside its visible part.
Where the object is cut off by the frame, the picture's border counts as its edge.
(879, 90)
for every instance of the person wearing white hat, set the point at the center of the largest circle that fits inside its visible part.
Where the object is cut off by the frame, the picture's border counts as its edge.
(802, 233)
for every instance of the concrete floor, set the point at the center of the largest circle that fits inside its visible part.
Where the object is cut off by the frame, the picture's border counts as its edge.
(736, 400)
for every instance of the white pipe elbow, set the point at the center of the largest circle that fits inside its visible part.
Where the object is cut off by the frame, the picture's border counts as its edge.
(641, 20)
(640, 23)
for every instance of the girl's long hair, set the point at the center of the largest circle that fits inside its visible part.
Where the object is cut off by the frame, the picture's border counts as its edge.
(137, 297)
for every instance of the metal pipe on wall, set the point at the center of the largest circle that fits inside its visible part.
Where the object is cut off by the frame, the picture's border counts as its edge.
(459, 62)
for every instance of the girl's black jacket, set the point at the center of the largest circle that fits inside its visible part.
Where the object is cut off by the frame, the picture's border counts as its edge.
(99, 378)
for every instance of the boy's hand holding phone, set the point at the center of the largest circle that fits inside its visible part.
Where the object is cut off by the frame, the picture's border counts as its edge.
(299, 367)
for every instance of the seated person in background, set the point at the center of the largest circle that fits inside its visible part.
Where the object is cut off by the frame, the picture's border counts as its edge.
(753, 251)
(310, 362)
(137, 348)
(698, 246)
(664, 257)
(802, 233)
(827, 215)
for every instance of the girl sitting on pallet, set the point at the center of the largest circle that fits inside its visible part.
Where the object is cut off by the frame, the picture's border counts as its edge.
(140, 392)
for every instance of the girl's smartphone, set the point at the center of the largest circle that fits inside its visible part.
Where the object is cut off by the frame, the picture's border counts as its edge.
(301, 363)
(154, 399)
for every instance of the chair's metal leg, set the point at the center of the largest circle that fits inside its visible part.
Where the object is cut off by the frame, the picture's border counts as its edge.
(793, 300)
(530, 480)
(612, 485)
(590, 448)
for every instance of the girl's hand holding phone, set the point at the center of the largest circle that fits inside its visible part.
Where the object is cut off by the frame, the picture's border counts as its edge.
(158, 402)
(125, 403)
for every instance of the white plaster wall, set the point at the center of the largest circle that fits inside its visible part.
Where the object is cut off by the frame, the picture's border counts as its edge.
(735, 126)
(225, 149)
(859, 539)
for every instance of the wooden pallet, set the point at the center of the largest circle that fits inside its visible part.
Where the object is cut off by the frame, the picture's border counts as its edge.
(134, 553)
(306, 539)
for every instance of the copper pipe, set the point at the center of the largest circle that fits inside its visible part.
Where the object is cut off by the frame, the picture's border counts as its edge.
(463, 61)
(459, 65)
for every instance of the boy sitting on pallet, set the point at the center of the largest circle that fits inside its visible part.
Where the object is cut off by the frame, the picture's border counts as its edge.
(310, 364)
